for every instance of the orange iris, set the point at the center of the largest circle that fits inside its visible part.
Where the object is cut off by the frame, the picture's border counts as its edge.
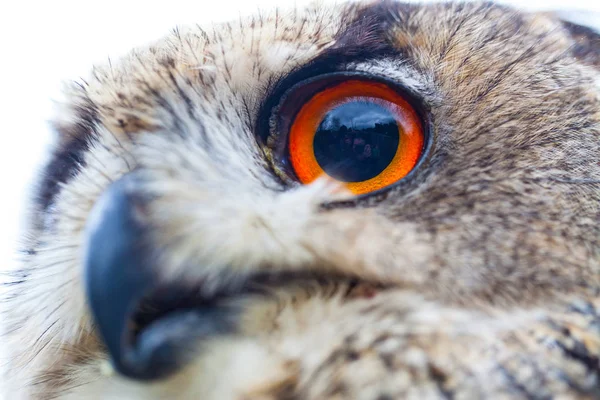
(359, 138)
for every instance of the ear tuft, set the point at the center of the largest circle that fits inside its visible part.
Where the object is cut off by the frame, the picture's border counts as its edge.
(584, 19)
(584, 27)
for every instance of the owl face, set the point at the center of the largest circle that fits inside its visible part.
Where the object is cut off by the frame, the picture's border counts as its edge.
(252, 210)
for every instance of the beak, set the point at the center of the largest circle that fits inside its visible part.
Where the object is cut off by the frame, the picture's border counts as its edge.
(120, 271)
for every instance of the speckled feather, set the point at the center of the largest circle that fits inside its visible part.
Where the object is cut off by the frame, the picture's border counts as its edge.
(481, 268)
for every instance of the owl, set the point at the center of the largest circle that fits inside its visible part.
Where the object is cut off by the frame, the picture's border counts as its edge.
(360, 200)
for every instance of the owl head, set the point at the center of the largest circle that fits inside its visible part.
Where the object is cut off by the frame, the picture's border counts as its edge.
(360, 200)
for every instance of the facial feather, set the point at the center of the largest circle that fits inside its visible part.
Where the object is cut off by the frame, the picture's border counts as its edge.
(485, 261)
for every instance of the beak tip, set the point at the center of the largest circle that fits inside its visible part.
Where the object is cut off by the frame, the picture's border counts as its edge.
(115, 274)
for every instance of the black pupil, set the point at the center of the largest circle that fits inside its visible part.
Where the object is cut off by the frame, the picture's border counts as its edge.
(356, 141)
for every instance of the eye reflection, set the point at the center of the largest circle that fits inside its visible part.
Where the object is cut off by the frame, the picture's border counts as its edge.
(356, 141)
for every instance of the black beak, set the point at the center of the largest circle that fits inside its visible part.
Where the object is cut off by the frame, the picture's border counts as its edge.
(120, 272)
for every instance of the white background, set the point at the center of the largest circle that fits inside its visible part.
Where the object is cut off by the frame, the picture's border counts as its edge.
(45, 42)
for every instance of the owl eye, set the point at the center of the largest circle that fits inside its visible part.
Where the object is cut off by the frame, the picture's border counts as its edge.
(361, 133)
